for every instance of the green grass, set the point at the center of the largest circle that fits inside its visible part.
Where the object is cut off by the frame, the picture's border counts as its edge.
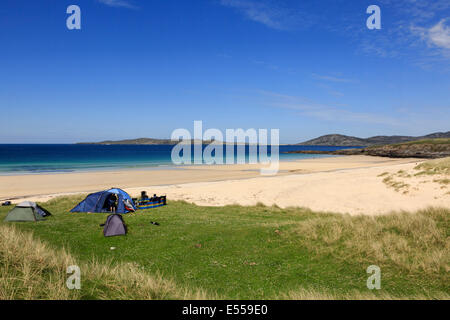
(425, 145)
(437, 141)
(263, 252)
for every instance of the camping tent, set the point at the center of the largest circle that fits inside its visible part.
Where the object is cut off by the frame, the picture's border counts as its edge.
(114, 226)
(98, 202)
(27, 211)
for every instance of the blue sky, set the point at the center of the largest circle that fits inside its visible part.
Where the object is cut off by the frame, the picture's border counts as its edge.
(144, 68)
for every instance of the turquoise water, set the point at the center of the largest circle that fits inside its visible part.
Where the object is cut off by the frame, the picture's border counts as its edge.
(52, 158)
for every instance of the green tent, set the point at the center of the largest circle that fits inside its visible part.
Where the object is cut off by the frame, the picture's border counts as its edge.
(27, 211)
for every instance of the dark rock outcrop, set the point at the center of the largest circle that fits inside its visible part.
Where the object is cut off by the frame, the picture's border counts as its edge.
(427, 149)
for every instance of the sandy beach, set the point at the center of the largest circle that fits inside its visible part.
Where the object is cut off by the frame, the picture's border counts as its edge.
(350, 184)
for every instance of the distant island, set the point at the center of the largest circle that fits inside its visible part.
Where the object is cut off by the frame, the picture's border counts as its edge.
(143, 141)
(339, 140)
(335, 140)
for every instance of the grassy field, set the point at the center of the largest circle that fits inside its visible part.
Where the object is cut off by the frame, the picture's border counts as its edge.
(428, 148)
(429, 141)
(229, 252)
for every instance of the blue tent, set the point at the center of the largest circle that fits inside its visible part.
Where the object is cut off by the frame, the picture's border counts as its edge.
(97, 202)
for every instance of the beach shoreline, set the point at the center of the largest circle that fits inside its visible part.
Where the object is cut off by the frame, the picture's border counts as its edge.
(162, 175)
(349, 184)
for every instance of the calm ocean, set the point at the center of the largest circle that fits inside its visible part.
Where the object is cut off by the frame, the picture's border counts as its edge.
(57, 158)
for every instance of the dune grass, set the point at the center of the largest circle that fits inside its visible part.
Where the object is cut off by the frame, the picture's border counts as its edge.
(415, 243)
(230, 252)
(434, 167)
(329, 294)
(31, 269)
(438, 170)
(396, 185)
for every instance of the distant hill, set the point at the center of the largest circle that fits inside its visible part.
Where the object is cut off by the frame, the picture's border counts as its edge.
(328, 140)
(335, 140)
(140, 141)
(347, 141)
(133, 141)
(426, 148)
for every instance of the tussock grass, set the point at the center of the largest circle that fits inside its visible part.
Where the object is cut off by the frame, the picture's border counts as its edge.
(439, 168)
(31, 269)
(324, 294)
(433, 167)
(403, 174)
(411, 243)
(397, 185)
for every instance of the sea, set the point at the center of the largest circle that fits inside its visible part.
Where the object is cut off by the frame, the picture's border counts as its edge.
(18, 159)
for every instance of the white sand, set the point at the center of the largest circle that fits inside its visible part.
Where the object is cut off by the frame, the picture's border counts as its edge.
(354, 191)
(340, 184)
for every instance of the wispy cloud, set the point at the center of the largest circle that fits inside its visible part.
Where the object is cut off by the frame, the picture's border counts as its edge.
(330, 90)
(413, 23)
(405, 27)
(118, 3)
(266, 12)
(331, 78)
(419, 11)
(324, 112)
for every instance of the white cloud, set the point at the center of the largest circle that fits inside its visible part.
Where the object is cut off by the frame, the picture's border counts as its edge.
(118, 3)
(438, 35)
(437, 38)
